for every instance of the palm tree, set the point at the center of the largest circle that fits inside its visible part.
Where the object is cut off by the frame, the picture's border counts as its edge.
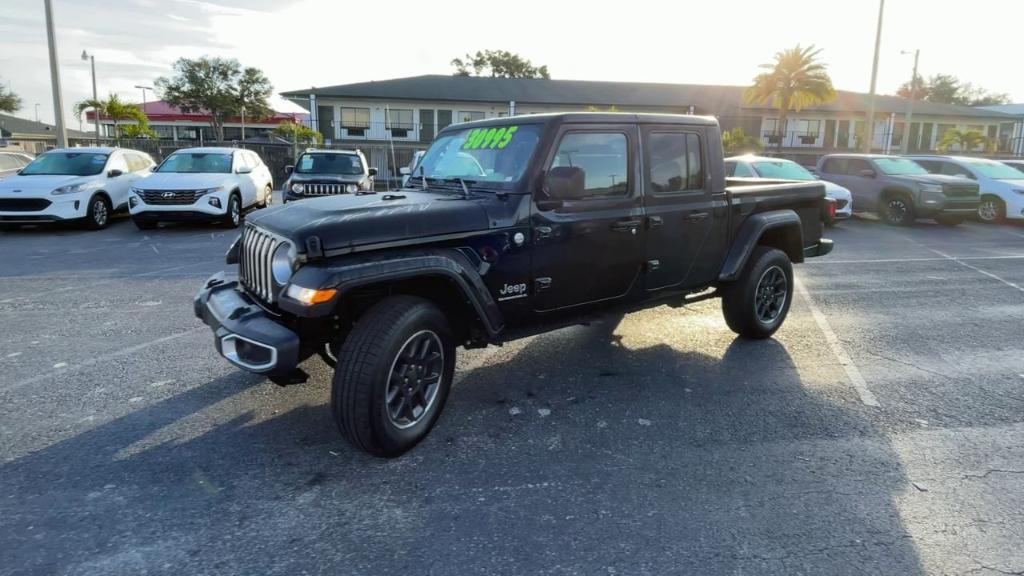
(967, 140)
(793, 81)
(115, 109)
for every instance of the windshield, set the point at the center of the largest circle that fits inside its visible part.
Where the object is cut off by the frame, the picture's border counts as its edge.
(492, 155)
(783, 170)
(66, 164)
(197, 163)
(326, 163)
(996, 170)
(899, 166)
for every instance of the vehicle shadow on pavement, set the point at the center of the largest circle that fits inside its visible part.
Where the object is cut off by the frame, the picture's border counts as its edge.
(577, 455)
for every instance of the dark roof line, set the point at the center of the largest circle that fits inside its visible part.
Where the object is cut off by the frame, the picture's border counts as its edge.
(713, 99)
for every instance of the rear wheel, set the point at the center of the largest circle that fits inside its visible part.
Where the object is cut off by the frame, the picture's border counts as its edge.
(97, 215)
(991, 210)
(233, 215)
(898, 211)
(756, 304)
(393, 374)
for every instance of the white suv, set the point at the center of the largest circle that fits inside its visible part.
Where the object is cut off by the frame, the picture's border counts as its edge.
(1001, 185)
(201, 184)
(85, 184)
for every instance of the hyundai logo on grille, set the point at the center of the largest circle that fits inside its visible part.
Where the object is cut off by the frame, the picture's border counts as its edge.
(16, 190)
(168, 194)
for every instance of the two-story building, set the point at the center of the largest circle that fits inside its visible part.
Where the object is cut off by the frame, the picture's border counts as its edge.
(389, 118)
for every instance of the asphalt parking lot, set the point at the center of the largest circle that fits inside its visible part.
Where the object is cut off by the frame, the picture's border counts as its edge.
(880, 432)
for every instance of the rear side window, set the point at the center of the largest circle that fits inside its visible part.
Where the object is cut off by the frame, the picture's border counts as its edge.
(8, 162)
(951, 169)
(601, 156)
(676, 162)
(136, 163)
(933, 166)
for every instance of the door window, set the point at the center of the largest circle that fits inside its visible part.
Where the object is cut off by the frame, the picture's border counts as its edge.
(834, 166)
(951, 169)
(601, 156)
(676, 162)
(933, 166)
(855, 165)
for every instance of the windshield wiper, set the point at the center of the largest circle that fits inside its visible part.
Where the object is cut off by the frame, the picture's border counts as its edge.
(465, 189)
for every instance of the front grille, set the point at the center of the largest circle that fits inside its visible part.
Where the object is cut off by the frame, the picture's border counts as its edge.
(256, 249)
(170, 197)
(23, 204)
(841, 203)
(961, 191)
(313, 189)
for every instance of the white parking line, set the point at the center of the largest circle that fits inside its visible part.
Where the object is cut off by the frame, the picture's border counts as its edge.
(961, 262)
(95, 360)
(859, 384)
(819, 261)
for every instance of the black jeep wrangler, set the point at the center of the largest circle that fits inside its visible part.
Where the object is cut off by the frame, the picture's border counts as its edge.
(327, 172)
(509, 227)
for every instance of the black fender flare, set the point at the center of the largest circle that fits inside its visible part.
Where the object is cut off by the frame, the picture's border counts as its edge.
(349, 273)
(750, 233)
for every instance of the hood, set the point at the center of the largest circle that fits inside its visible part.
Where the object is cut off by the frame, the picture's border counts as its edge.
(38, 184)
(297, 178)
(932, 179)
(182, 181)
(347, 220)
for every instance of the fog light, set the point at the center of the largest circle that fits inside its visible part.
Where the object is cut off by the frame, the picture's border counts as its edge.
(215, 202)
(133, 201)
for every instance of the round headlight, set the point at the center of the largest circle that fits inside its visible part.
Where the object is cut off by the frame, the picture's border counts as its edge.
(281, 266)
(351, 188)
(297, 188)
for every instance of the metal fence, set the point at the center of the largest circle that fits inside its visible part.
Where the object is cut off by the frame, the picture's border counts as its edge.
(386, 158)
(886, 141)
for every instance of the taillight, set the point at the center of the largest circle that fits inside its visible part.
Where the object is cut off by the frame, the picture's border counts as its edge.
(832, 209)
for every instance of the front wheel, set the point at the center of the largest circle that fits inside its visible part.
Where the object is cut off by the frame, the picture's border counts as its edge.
(267, 194)
(394, 371)
(233, 215)
(97, 215)
(991, 210)
(756, 304)
(898, 211)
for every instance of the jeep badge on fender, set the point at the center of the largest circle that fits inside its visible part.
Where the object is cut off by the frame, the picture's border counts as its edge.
(599, 212)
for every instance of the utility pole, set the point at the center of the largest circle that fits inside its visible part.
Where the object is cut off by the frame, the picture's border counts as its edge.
(905, 148)
(58, 97)
(37, 111)
(243, 124)
(869, 129)
(95, 97)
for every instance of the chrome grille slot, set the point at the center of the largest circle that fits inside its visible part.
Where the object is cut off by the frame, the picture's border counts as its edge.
(254, 264)
(314, 189)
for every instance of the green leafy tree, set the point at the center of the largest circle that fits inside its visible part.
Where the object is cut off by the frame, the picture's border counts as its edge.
(498, 64)
(217, 87)
(116, 110)
(795, 80)
(735, 142)
(299, 134)
(9, 101)
(966, 140)
(138, 132)
(948, 89)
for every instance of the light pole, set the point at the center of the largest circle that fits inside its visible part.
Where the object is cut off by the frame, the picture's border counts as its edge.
(37, 111)
(869, 130)
(144, 88)
(243, 124)
(905, 147)
(58, 96)
(91, 58)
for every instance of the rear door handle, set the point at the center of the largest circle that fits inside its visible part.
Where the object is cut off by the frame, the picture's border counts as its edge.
(626, 226)
(696, 216)
(654, 221)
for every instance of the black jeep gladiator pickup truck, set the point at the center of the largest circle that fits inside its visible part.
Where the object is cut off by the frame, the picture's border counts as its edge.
(509, 227)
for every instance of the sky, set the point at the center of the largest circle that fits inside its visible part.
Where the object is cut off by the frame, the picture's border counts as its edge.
(305, 43)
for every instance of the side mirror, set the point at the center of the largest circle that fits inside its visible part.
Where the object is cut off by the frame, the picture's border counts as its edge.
(244, 170)
(404, 171)
(289, 169)
(565, 183)
(867, 173)
(373, 171)
(153, 168)
(114, 173)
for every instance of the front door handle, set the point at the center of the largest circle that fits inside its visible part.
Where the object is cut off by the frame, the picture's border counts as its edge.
(654, 221)
(697, 216)
(626, 226)
(542, 232)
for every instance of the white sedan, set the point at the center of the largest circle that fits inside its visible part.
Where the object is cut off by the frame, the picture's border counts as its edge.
(80, 184)
(202, 184)
(779, 169)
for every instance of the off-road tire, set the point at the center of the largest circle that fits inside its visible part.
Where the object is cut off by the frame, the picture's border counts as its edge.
(897, 210)
(740, 298)
(233, 215)
(365, 363)
(98, 213)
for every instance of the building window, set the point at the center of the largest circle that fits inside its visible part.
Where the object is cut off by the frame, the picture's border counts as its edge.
(399, 122)
(468, 116)
(163, 131)
(355, 121)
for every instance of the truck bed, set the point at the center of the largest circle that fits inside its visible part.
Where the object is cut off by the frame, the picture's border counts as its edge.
(746, 196)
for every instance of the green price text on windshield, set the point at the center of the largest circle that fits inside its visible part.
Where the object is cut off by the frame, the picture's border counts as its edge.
(481, 138)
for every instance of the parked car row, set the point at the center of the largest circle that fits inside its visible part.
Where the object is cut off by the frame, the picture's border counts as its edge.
(88, 185)
(901, 189)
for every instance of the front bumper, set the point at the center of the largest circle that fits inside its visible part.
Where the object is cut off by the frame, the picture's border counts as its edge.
(823, 247)
(65, 207)
(245, 334)
(198, 210)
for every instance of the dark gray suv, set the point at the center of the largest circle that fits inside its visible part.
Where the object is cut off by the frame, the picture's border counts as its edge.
(326, 173)
(900, 190)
